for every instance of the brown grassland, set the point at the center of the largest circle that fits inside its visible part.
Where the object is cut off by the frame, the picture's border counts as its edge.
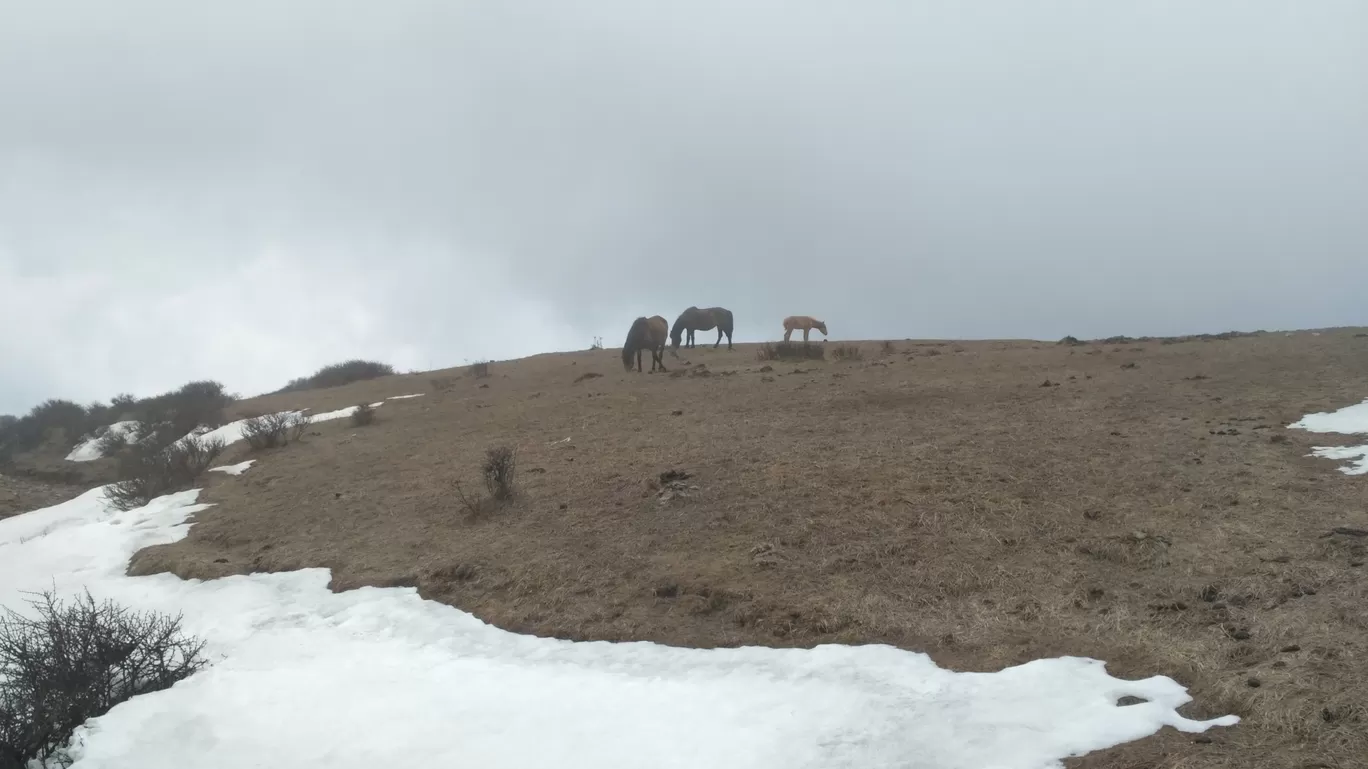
(1147, 507)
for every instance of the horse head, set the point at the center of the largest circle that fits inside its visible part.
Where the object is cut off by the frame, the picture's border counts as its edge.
(820, 325)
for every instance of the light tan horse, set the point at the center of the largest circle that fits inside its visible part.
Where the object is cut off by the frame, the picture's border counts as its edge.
(806, 323)
(646, 334)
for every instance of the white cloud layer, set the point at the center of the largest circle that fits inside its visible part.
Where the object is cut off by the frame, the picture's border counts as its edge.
(426, 181)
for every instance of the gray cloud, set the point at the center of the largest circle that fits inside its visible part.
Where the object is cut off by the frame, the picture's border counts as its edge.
(248, 191)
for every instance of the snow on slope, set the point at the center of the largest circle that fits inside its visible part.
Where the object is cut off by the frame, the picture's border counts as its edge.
(1350, 420)
(89, 449)
(303, 677)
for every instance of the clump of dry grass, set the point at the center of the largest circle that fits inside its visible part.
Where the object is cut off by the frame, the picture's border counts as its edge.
(790, 351)
(846, 352)
(500, 468)
(479, 370)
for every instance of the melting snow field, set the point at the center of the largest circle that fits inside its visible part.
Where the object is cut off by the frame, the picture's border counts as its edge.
(1350, 420)
(304, 677)
(89, 449)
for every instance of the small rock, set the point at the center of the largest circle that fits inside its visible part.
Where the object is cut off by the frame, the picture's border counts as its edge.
(1092, 515)
(677, 413)
(1277, 439)
(1130, 700)
(484, 387)
(1048, 383)
(1240, 635)
(765, 369)
(1253, 683)
(565, 505)
(1290, 648)
(1203, 739)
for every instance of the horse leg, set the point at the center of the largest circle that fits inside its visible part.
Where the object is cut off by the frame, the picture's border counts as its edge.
(719, 337)
(662, 360)
(787, 333)
(638, 360)
(805, 335)
(729, 345)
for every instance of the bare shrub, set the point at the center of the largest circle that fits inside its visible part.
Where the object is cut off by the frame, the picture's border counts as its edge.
(790, 351)
(479, 370)
(501, 464)
(297, 424)
(112, 442)
(846, 352)
(363, 415)
(598, 343)
(443, 383)
(147, 475)
(267, 431)
(888, 348)
(338, 374)
(75, 661)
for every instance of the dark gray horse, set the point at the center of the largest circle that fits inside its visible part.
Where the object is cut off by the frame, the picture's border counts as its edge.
(694, 319)
(645, 334)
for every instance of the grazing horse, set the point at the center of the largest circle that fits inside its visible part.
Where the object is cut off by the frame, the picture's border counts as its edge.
(694, 319)
(806, 323)
(646, 334)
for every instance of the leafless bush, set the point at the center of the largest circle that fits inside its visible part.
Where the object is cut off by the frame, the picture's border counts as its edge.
(443, 383)
(73, 662)
(111, 442)
(267, 431)
(363, 415)
(598, 343)
(479, 370)
(888, 348)
(846, 352)
(501, 464)
(298, 423)
(146, 476)
(790, 351)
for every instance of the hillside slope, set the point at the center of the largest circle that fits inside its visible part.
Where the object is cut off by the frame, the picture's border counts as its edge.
(1146, 507)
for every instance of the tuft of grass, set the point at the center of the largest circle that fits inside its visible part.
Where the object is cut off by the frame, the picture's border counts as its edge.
(790, 351)
(846, 352)
(888, 348)
(363, 415)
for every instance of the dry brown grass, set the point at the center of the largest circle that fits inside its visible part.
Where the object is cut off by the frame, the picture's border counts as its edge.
(937, 499)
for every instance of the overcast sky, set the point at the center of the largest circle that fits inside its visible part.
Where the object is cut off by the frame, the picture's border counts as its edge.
(247, 190)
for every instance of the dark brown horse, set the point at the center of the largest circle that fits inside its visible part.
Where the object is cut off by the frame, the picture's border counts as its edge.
(694, 319)
(646, 334)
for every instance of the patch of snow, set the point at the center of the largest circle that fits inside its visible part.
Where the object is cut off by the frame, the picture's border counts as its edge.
(89, 449)
(1350, 420)
(305, 677)
(237, 469)
(232, 432)
(401, 397)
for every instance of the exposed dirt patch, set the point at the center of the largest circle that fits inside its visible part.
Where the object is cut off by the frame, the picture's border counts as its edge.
(947, 504)
(20, 495)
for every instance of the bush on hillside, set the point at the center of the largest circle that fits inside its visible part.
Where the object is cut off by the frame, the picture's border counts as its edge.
(146, 475)
(167, 417)
(339, 374)
(75, 661)
(479, 370)
(363, 415)
(500, 466)
(267, 431)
